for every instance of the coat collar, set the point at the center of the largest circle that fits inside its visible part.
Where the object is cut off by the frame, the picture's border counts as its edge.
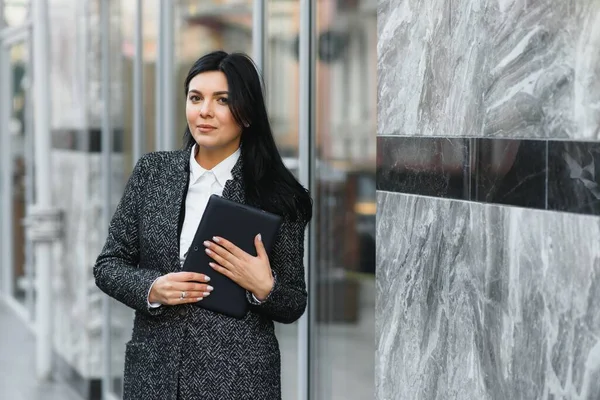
(183, 162)
(236, 172)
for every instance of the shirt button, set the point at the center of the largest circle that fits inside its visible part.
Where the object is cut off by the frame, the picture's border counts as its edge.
(195, 248)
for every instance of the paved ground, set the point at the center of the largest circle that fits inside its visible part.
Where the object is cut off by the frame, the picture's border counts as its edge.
(17, 364)
(345, 359)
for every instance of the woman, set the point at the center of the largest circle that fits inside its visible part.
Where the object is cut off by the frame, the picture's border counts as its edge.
(178, 350)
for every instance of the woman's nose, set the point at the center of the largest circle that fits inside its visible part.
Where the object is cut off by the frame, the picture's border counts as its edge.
(205, 109)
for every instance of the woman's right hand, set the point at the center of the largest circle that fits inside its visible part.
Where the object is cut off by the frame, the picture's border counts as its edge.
(167, 289)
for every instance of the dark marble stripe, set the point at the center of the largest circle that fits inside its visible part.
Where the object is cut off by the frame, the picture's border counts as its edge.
(539, 174)
(435, 167)
(574, 177)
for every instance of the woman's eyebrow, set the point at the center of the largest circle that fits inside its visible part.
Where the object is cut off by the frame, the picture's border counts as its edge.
(214, 94)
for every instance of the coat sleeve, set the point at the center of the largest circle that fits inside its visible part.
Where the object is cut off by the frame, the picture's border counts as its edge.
(287, 301)
(117, 272)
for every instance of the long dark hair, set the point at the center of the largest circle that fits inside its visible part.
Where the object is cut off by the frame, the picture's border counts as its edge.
(268, 184)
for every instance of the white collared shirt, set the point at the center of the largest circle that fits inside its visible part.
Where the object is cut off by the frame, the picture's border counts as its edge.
(203, 183)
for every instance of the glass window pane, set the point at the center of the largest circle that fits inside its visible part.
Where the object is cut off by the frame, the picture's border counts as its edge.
(16, 12)
(282, 73)
(20, 159)
(282, 95)
(201, 27)
(343, 363)
(121, 75)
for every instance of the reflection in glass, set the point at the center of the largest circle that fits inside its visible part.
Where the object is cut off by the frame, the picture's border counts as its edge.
(204, 26)
(16, 12)
(121, 316)
(343, 363)
(282, 74)
(22, 277)
(282, 94)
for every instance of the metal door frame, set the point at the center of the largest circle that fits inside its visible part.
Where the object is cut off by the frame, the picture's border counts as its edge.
(10, 37)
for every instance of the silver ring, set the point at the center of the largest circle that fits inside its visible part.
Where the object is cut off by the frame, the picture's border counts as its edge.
(182, 296)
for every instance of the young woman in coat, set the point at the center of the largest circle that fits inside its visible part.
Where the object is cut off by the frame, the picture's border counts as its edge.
(179, 351)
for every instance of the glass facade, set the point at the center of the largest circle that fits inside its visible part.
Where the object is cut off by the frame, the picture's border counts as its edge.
(344, 267)
(16, 274)
(114, 71)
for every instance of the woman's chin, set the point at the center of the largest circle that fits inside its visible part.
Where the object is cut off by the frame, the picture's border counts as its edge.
(206, 141)
(215, 143)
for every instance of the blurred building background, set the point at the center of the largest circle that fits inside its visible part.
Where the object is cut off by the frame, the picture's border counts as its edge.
(115, 91)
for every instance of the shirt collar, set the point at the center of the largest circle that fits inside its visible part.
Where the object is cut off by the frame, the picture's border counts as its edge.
(222, 170)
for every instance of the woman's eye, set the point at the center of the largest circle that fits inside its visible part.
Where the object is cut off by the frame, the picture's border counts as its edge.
(194, 98)
(223, 100)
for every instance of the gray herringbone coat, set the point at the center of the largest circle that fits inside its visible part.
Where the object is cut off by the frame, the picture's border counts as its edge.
(185, 352)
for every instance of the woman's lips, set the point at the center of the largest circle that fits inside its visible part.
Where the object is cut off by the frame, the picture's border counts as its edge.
(206, 128)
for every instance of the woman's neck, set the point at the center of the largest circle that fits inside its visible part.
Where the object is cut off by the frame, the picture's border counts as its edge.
(210, 158)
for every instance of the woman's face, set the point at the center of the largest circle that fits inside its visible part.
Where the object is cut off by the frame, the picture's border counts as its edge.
(208, 115)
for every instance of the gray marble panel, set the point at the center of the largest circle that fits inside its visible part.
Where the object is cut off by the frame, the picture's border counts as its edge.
(493, 68)
(478, 301)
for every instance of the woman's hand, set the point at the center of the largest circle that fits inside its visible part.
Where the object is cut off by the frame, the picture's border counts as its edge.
(252, 273)
(179, 288)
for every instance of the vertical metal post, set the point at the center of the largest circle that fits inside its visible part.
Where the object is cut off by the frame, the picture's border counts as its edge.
(168, 75)
(306, 156)
(259, 28)
(43, 185)
(6, 168)
(138, 85)
(159, 93)
(29, 185)
(1, 15)
(107, 145)
(83, 41)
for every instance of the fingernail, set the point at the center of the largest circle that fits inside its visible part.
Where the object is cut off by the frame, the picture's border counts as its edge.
(216, 239)
(210, 288)
(207, 251)
(206, 294)
(200, 298)
(206, 278)
(207, 243)
(259, 238)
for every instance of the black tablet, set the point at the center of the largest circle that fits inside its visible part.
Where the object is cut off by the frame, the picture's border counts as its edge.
(238, 223)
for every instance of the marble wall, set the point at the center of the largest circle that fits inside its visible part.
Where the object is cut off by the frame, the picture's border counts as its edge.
(488, 226)
(477, 301)
(494, 68)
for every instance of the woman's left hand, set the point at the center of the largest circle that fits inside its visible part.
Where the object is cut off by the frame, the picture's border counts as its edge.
(252, 273)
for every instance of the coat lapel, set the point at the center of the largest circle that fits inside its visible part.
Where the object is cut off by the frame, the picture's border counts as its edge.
(234, 188)
(178, 180)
